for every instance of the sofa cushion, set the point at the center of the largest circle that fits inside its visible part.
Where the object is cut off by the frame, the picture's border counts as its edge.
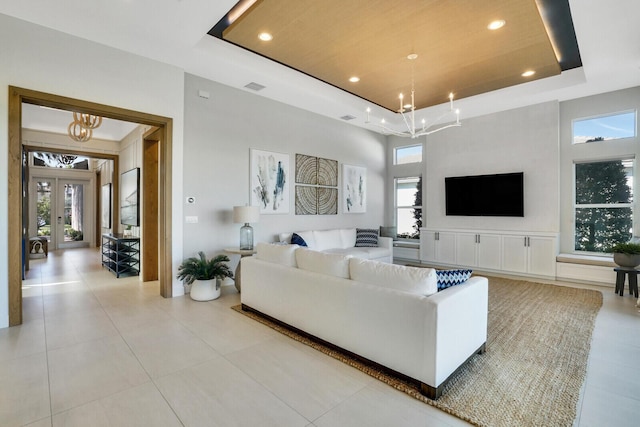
(366, 237)
(326, 239)
(414, 280)
(348, 236)
(366, 253)
(278, 254)
(448, 278)
(320, 262)
(297, 240)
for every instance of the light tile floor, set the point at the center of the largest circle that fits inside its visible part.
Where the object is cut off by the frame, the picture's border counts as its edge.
(99, 351)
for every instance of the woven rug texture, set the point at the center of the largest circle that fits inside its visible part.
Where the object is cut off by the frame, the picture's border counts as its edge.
(538, 344)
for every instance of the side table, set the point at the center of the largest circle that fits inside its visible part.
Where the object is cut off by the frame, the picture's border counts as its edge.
(243, 253)
(621, 272)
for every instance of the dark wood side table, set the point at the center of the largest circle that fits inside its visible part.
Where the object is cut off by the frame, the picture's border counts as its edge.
(621, 272)
(243, 253)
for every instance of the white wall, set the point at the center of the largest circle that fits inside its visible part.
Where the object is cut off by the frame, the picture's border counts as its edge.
(520, 140)
(41, 59)
(612, 102)
(220, 131)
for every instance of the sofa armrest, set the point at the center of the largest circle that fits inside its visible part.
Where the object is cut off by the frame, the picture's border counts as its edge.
(385, 242)
(461, 324)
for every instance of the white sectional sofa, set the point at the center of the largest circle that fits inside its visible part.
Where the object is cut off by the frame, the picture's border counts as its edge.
(343, 241)
(389, 314)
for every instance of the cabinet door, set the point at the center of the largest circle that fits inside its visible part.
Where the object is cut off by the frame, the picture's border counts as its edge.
(542, 256)
(427, 245)
(489, 251)
(446, 248)
(466, 248)
(514, 254)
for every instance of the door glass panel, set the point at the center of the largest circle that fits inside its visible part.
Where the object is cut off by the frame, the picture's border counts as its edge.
(43, 209)
(73, 212)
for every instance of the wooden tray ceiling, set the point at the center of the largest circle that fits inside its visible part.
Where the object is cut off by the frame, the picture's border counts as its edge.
(333, 40)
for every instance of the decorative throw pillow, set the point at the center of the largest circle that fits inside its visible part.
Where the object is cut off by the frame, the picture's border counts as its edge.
(448, 278)
(366, 238)
(297, 240)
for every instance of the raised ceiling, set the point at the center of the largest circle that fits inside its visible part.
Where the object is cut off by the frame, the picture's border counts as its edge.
(334, 40)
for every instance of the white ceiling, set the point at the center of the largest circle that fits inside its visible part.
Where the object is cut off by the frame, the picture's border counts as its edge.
(175, 32)
(57, 121)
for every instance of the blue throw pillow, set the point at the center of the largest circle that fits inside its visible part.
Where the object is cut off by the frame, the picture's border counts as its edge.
(366, 238)
(297, 240)
(448, 278)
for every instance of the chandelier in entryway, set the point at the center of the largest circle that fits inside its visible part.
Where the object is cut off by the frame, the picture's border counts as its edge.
(81, 128)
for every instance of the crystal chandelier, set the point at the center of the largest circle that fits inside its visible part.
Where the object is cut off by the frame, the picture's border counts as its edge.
(426, 128)
(81, 128)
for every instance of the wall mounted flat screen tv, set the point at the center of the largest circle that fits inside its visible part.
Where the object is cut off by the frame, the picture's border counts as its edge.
(485, 195)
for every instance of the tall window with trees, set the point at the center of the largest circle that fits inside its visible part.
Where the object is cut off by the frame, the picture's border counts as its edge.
(408, 201)
(603, 204)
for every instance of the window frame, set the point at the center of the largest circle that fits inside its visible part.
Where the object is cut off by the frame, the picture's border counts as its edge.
(576, 206)
(599, 116)
(395, 154)
(396, 206)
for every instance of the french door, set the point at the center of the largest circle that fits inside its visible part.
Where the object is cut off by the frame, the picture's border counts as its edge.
(62, 212)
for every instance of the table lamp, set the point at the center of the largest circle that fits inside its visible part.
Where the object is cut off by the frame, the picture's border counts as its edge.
(246, 214)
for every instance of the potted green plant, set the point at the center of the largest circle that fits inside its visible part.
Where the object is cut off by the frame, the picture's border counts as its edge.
(204, 275)
(626, 254)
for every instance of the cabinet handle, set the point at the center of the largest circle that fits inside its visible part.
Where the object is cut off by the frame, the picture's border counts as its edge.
(477, 238)
(437, 235)
(525, 242)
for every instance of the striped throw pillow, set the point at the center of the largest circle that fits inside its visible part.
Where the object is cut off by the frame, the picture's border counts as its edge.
(448, 278)
(366, 238)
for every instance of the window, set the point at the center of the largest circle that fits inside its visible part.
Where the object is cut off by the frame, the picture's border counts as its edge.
(408, 204)
(607, 127)
(603, 204)
(410, 154)
(55, 160)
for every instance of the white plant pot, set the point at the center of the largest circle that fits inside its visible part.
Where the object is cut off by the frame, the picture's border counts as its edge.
(626, 260)
(205, 290)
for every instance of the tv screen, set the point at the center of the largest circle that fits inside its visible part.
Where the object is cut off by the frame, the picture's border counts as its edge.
(485, 195)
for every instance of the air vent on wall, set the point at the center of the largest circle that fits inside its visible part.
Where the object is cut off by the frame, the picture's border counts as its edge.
(348, 117)
(254, 86)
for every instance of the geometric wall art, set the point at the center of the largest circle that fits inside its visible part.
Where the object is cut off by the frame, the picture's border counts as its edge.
(306, 200)
(354, 189)
(306, 169)
(269, 181)
(327, 201)
(316, 185)
(327, 172)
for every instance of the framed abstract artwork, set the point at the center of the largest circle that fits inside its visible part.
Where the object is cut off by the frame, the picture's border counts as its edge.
(354, 189)
(105, 205)
(269, 181)
(130, 197)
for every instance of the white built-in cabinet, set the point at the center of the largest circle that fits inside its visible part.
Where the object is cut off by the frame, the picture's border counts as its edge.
(438, 246)
(530, 254)
(523, 253)
(478, 250)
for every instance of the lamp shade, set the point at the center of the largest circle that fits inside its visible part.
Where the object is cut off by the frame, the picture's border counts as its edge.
(246, 214)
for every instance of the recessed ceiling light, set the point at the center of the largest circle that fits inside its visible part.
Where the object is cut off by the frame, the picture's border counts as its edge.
(528, 73)
(497, 24)
(265, 37)
(354, 79)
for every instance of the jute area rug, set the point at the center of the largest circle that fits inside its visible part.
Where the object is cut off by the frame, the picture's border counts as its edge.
(537, 349)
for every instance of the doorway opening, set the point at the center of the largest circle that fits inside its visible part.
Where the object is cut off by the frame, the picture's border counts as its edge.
(16, 177)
